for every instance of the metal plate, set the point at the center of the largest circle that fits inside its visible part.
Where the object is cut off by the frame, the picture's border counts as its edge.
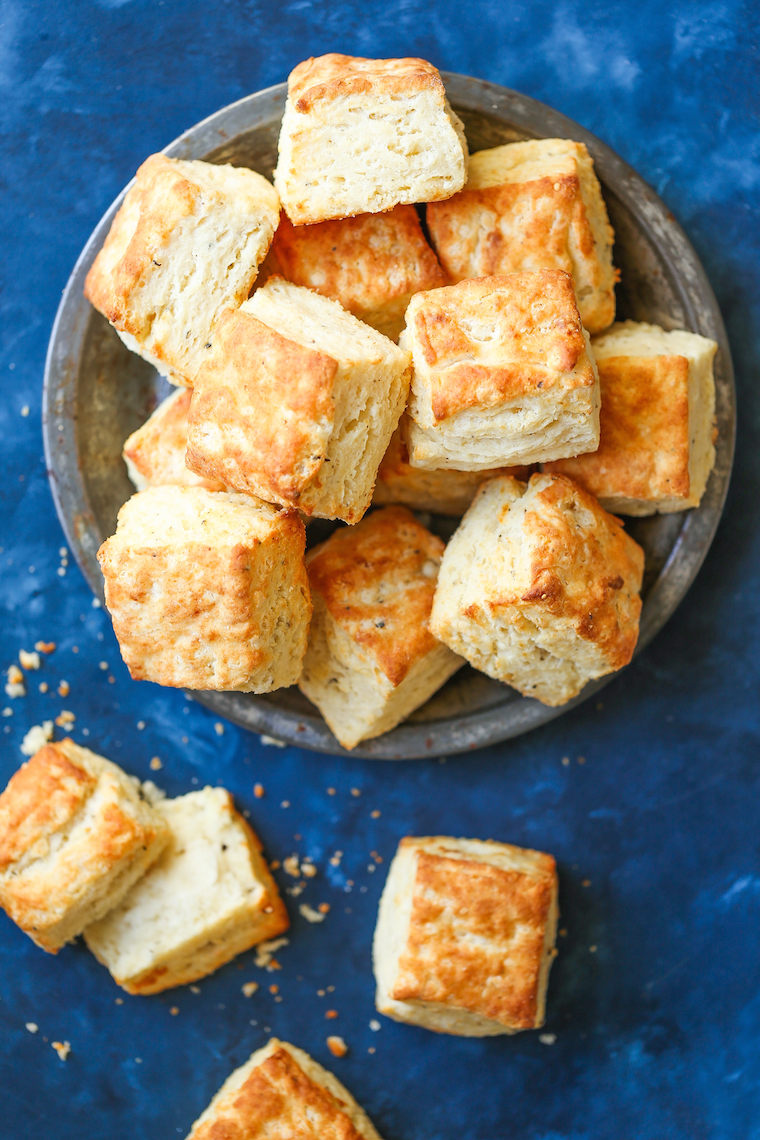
(97, 392)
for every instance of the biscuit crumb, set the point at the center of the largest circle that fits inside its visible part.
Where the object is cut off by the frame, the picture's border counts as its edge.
(15, 689)
(581, 759)
(285, 804)
(7, 712)
(25, 411)
(44, 646)
(566, 760)
(336, 858)
(372, 1049)
(592, 949)
(44, 686)
(155, 763)
(308, 870)
(32, 1027)
(275, 865)
(355, 792)
(62, 1048)
(337, 1046)
(272, 742)
(586, 883)
(331, 791)
(65, 720)
(563, 933)
(547, 1038)
(103, 665)
(29, 660)
(174, 1010)
(310, 914)
(37, 737)
(140, 725)
(324, 908)
(258, 791)
(219, 728)
(331, 1014)
(64, 688)
(249, 989)
(375, 814)
(291, 867)
(119, 1001)
(266, 950)
(15, 676)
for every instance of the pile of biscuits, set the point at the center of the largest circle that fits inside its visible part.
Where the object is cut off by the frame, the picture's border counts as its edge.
(165, 891)
(333, 353)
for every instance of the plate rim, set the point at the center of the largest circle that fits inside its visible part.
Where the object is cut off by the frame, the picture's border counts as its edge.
(472, 730)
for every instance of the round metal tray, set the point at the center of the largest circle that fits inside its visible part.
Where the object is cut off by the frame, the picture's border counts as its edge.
(97, 392)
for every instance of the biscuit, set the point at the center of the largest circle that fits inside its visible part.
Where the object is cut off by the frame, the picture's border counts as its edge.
(372, 264)
(531, 205)
(155, 453)
(281, 1093)
(465, 936)
(371, 660)
(441, 492)
(184, 246)
(360, 136)
(297, 403)
(208, 590)
(75, 835)
(503, 374)
(539, 587)
(209, 897)
(656, 447)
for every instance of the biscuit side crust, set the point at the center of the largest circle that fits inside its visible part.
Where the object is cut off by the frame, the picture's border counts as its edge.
(209, 897)
(75, 835)
(281, 1093)
(155, 453)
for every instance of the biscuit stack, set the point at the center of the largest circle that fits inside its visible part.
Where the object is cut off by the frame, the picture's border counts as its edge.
(337, 360)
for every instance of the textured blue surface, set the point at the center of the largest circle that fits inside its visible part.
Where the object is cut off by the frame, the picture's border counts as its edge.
(656, 831)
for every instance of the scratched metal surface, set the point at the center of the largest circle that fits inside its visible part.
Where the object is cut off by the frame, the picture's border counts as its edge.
(657, 1029)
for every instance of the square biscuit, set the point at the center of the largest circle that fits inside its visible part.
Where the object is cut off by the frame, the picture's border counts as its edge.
(155, 453)
(656, 448)
(281, 1093)
(440, 492)
(531, 205)
(208, 590)
(372, 264)
(539, 588)
(185, 245)
(208, 897)
(297, 403)
(360, 136)
(502, 374)
(371, 660)
(465, 936)
(75, 835)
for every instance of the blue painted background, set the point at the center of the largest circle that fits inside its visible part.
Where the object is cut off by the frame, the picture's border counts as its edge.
(654, 819)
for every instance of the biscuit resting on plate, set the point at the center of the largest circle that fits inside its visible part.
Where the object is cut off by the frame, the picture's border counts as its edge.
(371, 660)
(656, 447)
(297, 403)
(441, 492)
(371, 264)
(209, 897)
(360, 136)
(539, 587)
(155, 453)
(208, 590)
(503, 374)
(281, 1093)
(75, 835)
(465, 936)
(185, 245)
(531, 205)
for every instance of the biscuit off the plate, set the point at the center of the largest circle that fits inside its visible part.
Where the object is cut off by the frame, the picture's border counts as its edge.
(208, 590)
(531, 205)
(371, 660)
(75, 835)
(155, 453)
(297, 403)
(185, 245)
(281, 1093)
(363, 135)
(465, 936)
(502, 374)
(656, 450)
(208, 897)
(539, 587)
(372, 264)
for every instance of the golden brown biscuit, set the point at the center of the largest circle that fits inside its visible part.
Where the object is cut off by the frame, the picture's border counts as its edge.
(371, 660)
(364, 135)
(656, 447)
(75, 835)
(539, 588)
(281, 1093)
(155, 453)
(185, 245)
(531, 205)
(503, 374)
(208, 897)
(441, 492)
(297, 403)
(371, 264)
(465, 936)
(208, 590)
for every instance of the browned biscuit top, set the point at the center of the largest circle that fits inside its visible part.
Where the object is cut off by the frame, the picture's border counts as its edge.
(334, 75)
